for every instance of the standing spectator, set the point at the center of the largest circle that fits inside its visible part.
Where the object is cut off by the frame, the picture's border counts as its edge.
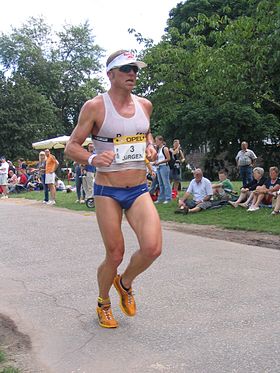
(11, 166)
(78, 183)
(175, 171)
(4, 168)
(245, 160)
(88, 172)
(163, 171)
(41, 166)
(51, 167)
(200, 191)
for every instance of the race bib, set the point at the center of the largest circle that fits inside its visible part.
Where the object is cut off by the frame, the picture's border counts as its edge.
(130, 148)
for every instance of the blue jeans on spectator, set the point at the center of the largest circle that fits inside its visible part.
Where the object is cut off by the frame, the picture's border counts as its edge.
(45, 188)
(154, 186)
(165, 191)
(78, 184)
(246, 173)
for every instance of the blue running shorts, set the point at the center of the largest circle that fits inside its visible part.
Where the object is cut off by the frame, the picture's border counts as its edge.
(124, 196)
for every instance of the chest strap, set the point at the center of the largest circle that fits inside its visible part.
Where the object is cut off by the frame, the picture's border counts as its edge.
(102, 139)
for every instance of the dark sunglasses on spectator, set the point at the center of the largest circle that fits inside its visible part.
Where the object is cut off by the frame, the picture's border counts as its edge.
(128, 68)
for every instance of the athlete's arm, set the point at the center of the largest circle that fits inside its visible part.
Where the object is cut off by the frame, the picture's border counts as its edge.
(151, 152)
(83, 129)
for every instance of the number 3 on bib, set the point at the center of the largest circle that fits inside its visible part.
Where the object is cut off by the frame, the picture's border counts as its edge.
(130, 148)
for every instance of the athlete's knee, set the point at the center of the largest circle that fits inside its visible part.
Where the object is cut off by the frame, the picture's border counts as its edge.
(115, 257)
(152, 252)
(156, 252)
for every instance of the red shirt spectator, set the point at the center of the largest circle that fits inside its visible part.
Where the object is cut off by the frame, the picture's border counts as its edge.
(22, 178)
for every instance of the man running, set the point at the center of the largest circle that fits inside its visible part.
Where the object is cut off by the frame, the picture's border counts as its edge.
(119, 124)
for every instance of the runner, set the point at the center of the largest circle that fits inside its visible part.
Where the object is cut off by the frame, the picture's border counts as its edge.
(119, 124)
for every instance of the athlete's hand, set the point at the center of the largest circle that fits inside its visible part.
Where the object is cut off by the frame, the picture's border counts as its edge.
(104, 159)
(151, 153)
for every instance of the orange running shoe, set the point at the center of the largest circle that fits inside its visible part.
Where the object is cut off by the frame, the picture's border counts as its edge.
(105, 317)
(127, 302)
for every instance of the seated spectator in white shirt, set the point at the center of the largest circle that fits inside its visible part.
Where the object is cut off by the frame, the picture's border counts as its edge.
(59, 184)
(198, 195)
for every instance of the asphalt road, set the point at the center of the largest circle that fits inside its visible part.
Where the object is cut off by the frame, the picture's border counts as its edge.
(204, 306)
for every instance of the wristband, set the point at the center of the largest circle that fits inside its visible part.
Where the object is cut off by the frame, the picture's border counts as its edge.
(90, 159)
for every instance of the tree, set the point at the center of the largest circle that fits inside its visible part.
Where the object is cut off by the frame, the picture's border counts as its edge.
(25, 115)
(220, 92)
(189, 16)
(76, 62)
(45, 79)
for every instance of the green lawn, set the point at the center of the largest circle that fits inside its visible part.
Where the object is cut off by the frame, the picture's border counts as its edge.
(226, 217)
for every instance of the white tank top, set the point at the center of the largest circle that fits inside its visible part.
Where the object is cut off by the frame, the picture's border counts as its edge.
(114, 125)
(161, 156)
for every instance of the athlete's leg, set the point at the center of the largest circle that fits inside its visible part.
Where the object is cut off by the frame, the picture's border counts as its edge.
(144, 220)
(113, 240)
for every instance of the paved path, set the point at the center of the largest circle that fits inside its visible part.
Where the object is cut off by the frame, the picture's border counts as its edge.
(205, 306)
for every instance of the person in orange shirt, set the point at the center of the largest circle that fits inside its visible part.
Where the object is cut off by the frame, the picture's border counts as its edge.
(51, 166)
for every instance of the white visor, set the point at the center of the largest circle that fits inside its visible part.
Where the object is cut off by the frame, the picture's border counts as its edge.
(125, 58)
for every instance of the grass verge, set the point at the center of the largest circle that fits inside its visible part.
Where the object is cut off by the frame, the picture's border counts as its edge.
(2, 357)
(6, 369)
(224, 217)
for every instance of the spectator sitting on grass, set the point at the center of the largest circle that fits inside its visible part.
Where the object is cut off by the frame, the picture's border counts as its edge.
(198, 195)
(22, 165)
(22, 179)
(17, 185)
(276, 209)
(246, 195)
(265, 193)
(12, 181)
(221, 189)
(59, 184)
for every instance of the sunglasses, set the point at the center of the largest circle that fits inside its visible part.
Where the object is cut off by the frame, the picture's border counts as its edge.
(128, 68)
